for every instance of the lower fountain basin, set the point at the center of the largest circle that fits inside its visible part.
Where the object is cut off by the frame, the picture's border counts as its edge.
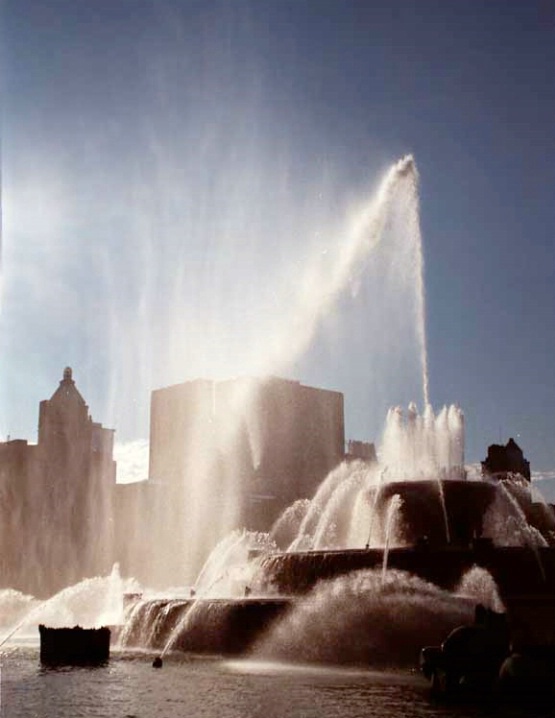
(213, 626)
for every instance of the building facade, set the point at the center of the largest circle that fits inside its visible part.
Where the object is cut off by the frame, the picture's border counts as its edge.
(224, 455)
(57, 496)
(277, 438)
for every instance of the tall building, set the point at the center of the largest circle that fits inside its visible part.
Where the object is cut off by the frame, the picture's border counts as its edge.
(223, 455)
(57, 498)
(278, 438)
(504, 461)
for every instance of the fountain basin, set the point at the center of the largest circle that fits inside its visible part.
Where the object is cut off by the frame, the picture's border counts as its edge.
(518, 571)
(445, 512)
(213, 626)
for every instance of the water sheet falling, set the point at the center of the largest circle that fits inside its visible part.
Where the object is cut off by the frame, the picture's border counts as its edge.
(350, 508)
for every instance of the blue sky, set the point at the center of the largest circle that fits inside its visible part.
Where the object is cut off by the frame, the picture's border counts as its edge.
(169, 170)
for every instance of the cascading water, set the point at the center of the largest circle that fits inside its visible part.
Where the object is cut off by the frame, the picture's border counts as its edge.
(229, 573)
(371, 619)
(398, 612)
(315, 509)
(507, 518)
(345, 511)
(508, 521)
(290, 521)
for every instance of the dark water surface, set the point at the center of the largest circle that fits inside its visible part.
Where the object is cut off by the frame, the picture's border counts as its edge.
(130, 688)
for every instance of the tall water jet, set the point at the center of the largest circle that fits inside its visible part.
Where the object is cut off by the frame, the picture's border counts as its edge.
(223, 436)
(322, 285)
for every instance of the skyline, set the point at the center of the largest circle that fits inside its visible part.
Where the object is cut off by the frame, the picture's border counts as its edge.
(170, 170)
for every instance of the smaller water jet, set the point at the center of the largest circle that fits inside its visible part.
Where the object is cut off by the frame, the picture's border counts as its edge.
(91, 603)
(418, 454)
(392, 513)
(479, 584)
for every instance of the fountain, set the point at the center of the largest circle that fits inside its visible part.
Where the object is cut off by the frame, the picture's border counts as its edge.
(400, 547)
(400, 544)
(405, 557)
(224, 436)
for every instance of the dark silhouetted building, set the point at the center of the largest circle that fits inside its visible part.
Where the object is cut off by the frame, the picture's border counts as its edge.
(504, 460)
(57, 498)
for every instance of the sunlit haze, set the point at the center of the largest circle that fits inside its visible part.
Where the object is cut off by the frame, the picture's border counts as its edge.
(191, 190)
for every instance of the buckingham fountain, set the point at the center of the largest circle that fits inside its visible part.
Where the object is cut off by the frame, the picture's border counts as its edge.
(389, 554)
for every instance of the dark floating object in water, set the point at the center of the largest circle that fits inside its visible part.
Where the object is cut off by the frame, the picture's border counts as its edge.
(157, 662)
(74, 646)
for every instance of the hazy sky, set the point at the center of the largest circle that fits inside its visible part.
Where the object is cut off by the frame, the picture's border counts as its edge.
(172, 170)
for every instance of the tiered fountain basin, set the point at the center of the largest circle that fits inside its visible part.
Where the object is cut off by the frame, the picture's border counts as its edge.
(440, 526)
(518, 571)
(418, 542)
(209, 626)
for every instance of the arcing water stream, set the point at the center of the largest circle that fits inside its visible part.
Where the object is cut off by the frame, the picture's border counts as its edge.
(387, 221)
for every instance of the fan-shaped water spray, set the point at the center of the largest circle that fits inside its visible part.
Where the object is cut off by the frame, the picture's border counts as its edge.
(91, 603)
(370, 619)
